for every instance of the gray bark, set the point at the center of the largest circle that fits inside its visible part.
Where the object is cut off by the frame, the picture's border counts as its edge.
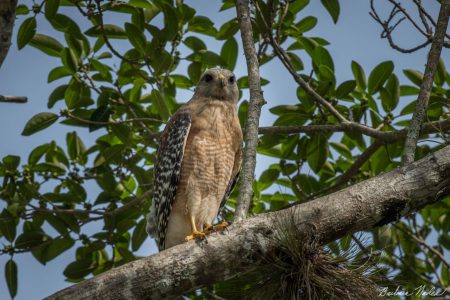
(254, 111)
(374, 202)
(7, 18)
(427, 82)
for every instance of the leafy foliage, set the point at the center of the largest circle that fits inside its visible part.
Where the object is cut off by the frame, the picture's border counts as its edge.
(46, 198)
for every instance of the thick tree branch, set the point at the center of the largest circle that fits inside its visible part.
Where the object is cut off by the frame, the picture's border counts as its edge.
(427, 82)
(374, 202)
(13, 99)
(254, 110)
(7, 18)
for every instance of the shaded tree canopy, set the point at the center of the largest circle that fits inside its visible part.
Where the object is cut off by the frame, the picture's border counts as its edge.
(123, 67)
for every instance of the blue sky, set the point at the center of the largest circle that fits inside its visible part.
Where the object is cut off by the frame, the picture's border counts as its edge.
(24, 73)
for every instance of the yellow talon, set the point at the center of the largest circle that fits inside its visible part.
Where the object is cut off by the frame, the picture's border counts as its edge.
(221, 226)
(196, 235)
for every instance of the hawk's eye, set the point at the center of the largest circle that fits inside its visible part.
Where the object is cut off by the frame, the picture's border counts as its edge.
(232, 79)
(208, 78)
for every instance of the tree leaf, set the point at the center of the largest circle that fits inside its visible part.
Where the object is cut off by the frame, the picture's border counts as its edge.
(317, 149)
(7, 223)
(69, 60)
(360, 76)
(306, 24)
(111, 31)
(332, 6)
(80, 268)
(11, 277)
(46, 44)
(136, 37)
(57, 73)
(139, 235)
(39, 122)
(345, 88)
(415, 76)
(101, 114)
(26, 32)
(379, 75)
(160, 104)
(51, 8)
(229, 53)
(56, 95)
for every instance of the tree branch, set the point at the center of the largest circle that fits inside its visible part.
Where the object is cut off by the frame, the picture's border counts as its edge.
(427, 82)
(352, 127)
(13, 99)
(254, 110)
(7, 18)
(189, 266)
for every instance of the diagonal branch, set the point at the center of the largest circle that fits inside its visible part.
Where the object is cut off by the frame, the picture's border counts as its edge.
(427, 82)
(245, 246)
(254, 110)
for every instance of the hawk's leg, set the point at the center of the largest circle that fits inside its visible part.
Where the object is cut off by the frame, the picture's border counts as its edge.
(195, 233)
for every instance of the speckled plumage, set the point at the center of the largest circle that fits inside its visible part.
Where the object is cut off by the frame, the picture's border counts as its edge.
(198, 160)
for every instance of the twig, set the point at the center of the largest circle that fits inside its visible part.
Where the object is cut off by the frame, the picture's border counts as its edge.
(425, 88)
(71, 116)
(13, 99)
(254, 110)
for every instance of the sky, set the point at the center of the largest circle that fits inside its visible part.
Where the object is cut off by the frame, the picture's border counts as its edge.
(24, 73)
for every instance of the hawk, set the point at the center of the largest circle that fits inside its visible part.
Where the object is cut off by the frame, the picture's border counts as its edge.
(197, 162)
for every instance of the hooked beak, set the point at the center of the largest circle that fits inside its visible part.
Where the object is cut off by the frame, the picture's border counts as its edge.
(223, 80)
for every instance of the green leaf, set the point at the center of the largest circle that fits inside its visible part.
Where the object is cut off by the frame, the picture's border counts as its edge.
(228, 30)
(297, 5)
(345, 88)
(379, 75)
(22, 9)
(170, 22)
(317, 149)
(202, 24)
(46, 44)
(69, 59)
(56, 95)
(194, 43)
(26, 32)
(306, 24)
(72, 94)
(160, 104)
(212, 59)
(11, 277)
(439, 77)
(415, 76)
(57, 73)
(39, 122)
(11, 162)
(141, 4)
(359, 74)
(229, 53)
(7, 223)
(51, 8)
(182, 81)
(111, 31)
(29, 239)
(101, 114)
(139, 235)
(391, 94)
(136, 37)
(75, 146)
(332, 6)
(321, 56)
(80, 268)
(65, 24)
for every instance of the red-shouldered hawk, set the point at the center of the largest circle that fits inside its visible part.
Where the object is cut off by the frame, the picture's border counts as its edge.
(197, 162)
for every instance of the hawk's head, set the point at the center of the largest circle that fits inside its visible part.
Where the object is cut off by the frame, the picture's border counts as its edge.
(218, 84)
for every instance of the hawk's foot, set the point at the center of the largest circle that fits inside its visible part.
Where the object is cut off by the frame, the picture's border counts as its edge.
(196, 235)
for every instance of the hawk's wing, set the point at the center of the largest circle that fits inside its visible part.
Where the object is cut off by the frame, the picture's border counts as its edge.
(167, 172)
(233, 179)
